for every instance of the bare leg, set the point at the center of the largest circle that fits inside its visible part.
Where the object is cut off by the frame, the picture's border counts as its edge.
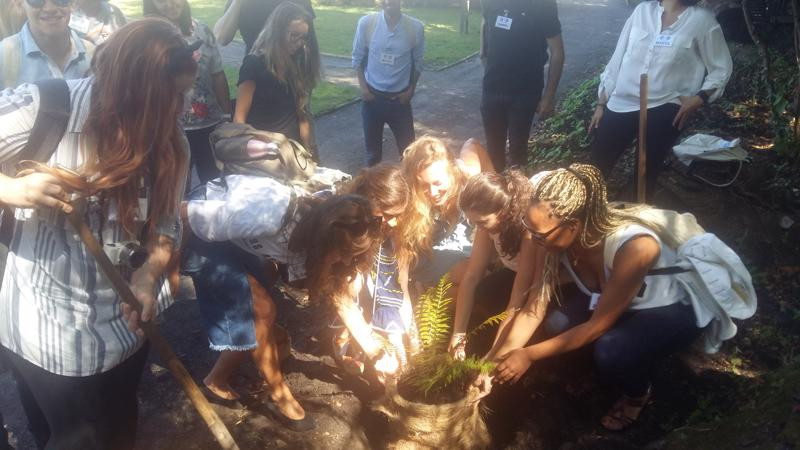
(475, 157)
(217, 381)
(266, 354)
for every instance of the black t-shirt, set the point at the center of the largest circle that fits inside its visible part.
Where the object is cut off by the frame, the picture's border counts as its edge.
(517, 44)
(254, 15)
(274, 107)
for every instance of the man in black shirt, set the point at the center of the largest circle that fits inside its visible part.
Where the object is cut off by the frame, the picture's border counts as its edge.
(249, 18)
(515, 38)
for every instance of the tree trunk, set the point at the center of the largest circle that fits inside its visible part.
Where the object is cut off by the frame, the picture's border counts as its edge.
(464, 26)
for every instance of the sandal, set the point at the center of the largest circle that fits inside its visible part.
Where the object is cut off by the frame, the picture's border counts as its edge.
(617, 420)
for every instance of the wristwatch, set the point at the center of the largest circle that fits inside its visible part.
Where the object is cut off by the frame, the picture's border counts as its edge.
(703, 96)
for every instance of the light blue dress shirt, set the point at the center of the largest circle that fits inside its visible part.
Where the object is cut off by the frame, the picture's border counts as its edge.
(35, 65)
(389, 54)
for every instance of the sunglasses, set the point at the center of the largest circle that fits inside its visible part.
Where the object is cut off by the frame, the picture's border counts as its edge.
(541, 237)
(40, 3)
(298, 37)
(362, 226)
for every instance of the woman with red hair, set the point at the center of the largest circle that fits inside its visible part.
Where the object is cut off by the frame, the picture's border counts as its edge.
(76, 358)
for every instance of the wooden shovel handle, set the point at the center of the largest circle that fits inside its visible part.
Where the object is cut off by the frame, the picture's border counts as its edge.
(157, 341)
(642, 159)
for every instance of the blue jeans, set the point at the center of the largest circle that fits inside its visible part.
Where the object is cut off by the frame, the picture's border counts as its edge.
(385, 110)
(627, 353)
(508, 116)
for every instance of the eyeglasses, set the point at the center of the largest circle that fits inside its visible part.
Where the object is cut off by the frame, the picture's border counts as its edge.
(541, 237)
(40, 3)
(297, 37)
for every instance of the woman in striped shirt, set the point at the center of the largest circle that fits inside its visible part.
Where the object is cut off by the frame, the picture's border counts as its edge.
(77, 359)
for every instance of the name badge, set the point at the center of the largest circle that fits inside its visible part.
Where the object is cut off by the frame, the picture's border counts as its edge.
(503, 22)
(387, 58)
(79, 24)
(665, 40)
(593, 302)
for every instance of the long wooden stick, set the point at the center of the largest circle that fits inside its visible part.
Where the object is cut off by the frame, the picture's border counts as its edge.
(642, 159)
(215, 424)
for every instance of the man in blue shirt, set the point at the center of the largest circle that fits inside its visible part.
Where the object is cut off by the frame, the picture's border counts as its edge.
(45, 47)
(387, 55)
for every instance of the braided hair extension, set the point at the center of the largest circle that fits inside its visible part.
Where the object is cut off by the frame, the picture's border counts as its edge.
(579, 192)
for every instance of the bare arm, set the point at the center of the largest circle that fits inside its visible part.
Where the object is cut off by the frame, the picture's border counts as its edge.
(220, 85)
(244, 101)
(529, 262)
(630, 266)
(352, 317)
(475, 157)
(227, 25)
(482, 249)
(547, 104)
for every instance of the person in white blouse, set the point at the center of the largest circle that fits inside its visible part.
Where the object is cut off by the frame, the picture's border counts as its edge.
(682, 50)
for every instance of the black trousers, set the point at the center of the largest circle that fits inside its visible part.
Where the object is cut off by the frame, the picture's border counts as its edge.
(508, 116)
(617, 131)
(202, 156)
(97, 412)
(385, 110)
(627, 353)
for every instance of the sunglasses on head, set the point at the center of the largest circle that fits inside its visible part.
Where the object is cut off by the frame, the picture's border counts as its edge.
(40, 3)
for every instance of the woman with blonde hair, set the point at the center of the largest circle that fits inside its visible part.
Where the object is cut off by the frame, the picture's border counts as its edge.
(277, 77)
(434, 235)
(75, 355)
(633, 318)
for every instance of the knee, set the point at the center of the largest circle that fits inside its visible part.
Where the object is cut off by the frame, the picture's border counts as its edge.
(611, 353)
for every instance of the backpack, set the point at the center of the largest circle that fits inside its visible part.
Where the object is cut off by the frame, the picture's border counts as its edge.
(48, 129)
(718, 284)
(279, 157)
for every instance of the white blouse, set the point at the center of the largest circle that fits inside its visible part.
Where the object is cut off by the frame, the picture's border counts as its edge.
(680, 60)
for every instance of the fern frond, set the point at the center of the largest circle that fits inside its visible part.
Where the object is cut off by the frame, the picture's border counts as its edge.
(490, 322)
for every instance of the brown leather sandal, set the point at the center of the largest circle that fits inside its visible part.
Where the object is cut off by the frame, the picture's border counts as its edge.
(617, 420)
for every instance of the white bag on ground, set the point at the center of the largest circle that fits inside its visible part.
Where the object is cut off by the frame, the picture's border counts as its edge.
(709, 148)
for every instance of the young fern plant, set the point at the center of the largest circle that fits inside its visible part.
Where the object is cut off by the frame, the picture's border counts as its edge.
(433, 372)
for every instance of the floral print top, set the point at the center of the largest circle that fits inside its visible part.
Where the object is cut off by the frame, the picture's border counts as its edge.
(203, 109)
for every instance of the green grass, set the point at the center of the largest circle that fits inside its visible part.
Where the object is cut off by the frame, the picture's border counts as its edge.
(337, 24)
(326, 97)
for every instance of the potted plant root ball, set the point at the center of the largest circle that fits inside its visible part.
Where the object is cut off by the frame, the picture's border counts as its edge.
(433, 403)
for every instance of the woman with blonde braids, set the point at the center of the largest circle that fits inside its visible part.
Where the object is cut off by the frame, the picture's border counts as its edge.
(433, 231)
(633, 319)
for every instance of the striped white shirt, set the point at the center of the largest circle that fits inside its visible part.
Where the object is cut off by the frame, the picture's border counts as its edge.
(57, 309)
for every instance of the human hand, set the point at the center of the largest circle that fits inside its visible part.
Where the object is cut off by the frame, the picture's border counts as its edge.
(688, 106)
(367, 95)
(598, 114)
(143, 286)
(484, 385)
(34, 190)
(457, 346)
(512, 366)
(405, 96)
(547, 105)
